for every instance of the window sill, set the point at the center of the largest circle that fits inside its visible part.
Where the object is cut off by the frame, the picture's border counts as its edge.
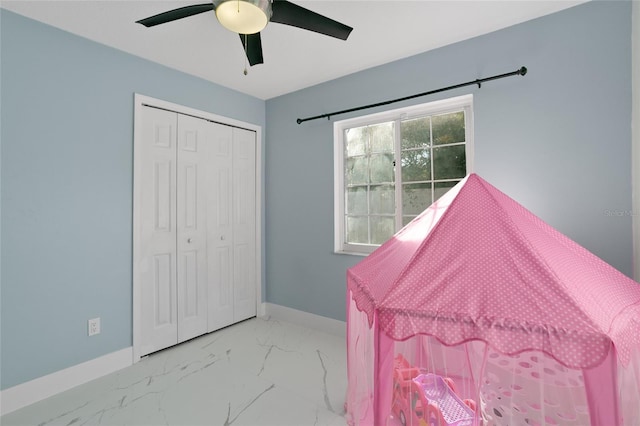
(351, 253)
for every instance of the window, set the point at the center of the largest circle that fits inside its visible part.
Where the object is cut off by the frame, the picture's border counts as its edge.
(391, 166)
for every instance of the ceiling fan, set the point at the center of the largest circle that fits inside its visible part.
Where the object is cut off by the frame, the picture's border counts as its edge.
(249, 17)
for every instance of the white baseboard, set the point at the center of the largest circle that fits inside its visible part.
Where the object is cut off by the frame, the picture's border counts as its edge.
(306, 319)
(27, 393)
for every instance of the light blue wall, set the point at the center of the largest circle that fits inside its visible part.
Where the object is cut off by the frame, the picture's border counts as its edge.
(67, 173)
(557, 140)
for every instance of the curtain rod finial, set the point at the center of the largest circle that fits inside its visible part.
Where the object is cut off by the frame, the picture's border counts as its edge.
(523, 71)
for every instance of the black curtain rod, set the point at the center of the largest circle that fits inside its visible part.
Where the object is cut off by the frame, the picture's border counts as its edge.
(521, 71)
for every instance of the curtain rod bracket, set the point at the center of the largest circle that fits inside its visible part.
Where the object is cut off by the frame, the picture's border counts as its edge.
(522, 71)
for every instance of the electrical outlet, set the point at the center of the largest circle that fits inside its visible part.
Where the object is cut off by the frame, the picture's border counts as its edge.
(94, 326)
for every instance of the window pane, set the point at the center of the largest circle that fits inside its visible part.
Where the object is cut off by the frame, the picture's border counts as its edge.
(441, 188)
(382, 137)
(448, 128)
(381, 168)
(357, 200)
(416, 165)
(407, 219)
(382, 228)
(387, 182)
(382, 199)
(449, 162)
(357, 141)
(416, 198)
(415, 133)
(357, 230)
(357, 171)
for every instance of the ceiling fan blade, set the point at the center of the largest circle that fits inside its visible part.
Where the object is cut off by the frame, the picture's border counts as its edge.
(175, 14)
(285, 12)
(252, 45)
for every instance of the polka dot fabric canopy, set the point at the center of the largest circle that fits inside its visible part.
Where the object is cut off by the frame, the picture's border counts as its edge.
(478, 265)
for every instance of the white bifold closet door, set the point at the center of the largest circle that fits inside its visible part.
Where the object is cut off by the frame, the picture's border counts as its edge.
(197, 227)
(231, 215)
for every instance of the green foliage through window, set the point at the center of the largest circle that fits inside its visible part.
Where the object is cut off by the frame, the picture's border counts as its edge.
(389, 181)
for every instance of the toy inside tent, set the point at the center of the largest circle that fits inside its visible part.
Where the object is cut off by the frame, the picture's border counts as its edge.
(489, 388)
(551, 338)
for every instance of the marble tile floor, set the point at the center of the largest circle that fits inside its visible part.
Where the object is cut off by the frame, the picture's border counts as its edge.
(257, 372)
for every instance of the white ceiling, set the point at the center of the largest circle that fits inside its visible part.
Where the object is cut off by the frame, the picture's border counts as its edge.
(384, 31)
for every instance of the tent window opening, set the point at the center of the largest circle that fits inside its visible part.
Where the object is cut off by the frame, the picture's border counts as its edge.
(391, 166)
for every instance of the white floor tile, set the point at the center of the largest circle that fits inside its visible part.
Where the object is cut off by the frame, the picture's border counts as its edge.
(258, 372)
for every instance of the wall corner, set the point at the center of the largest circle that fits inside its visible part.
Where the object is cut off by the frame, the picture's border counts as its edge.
(635, 134)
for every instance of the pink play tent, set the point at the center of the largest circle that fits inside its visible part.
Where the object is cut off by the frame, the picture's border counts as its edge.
(479, 313)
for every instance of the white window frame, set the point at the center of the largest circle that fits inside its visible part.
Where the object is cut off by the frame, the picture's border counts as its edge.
(432, 108)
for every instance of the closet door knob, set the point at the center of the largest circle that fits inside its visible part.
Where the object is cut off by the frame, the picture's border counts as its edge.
(189, 240)
(222, 238)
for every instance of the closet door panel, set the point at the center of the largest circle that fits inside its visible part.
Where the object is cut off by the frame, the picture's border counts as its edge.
(157, 231)
(220, 231)
(194, 227)
(191, 238)
(244, 219)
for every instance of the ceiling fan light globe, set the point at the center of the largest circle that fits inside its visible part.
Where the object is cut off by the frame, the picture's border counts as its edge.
(244, 16)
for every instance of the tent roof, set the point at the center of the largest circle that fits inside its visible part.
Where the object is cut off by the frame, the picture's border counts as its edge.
(478, 265)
